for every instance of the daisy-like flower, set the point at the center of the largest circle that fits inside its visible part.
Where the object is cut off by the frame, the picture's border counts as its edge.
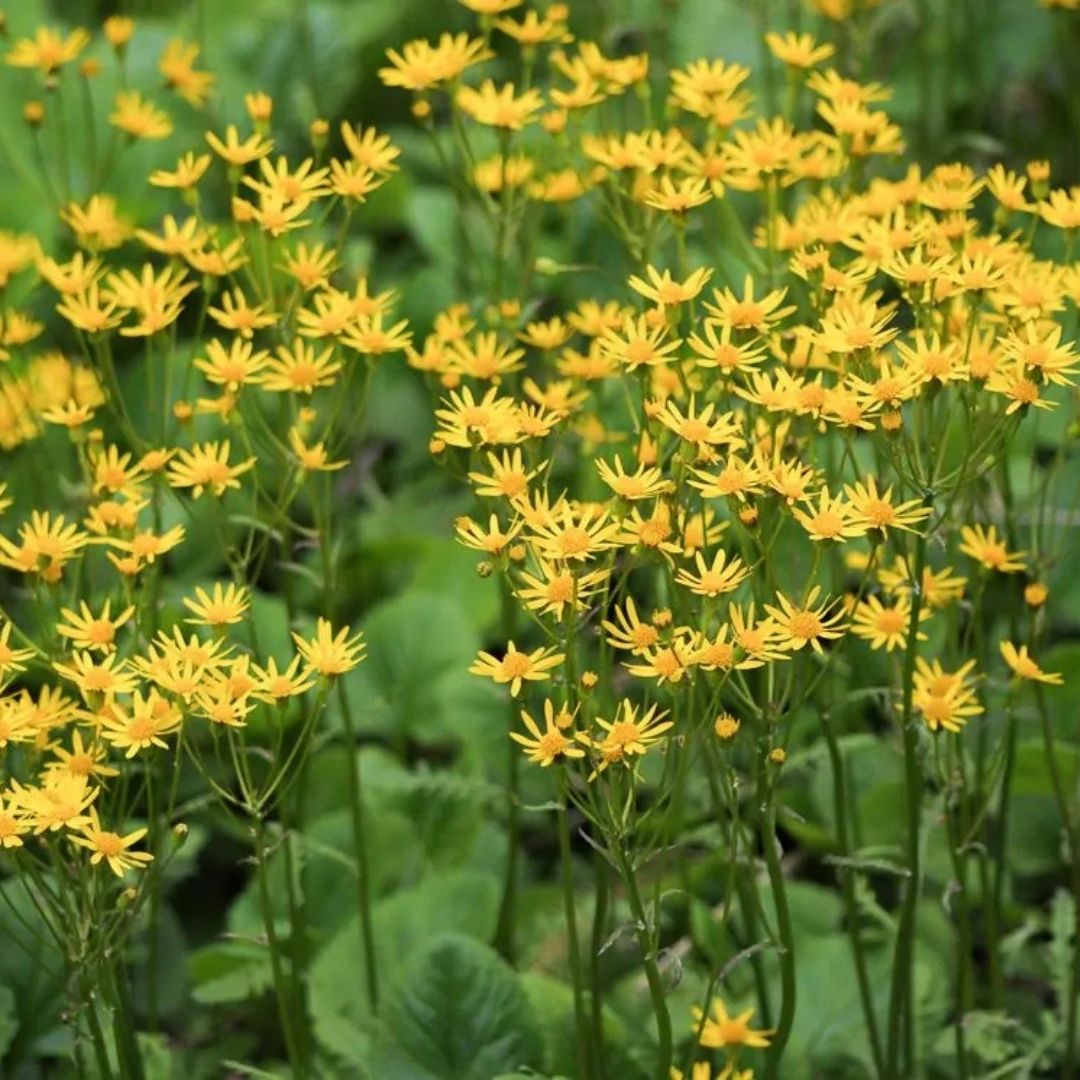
(558, 587)
(498, 107)
(205, 467)
(983, 544)
(314, 457)
(111, 847)
(628, 632)
(546, 747)
(831, 518)
(222, 606)
(60, 803)
(799, 51)
(749, 312)
(421, 66)
(139, 725)
(47, 49)
(639, 343)
(273, 686)
(665, 662)
(716, 578)
(516, 666)
(139, 118)
(759, 641)
(238, 315)
(13, 824)
(665, 291)
(720, 1030)
(509, 477)
(493, 540)
(737, 479)
(885, 626)
(86, 759)
(1024, 667)
(944, 699)
(95, 633)
(188, 172)
(677, 197)
(629, 733)
(106, 676)
(12, 660)
(300, 370)
(331, 654)
(236, 151)
(643, 483)
(804, 624)
(566, 533)
(701, 429)
(875, 510)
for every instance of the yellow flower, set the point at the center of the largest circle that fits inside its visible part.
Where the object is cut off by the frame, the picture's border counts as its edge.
(12, 661)
(239, 152)
(140, 725)
(13, 824)
(885, 626)
(797, 50)
(139, 118)
(58, 804)
(643, 483)
(419, 66)
(205, 467)
(188, 172)
(876, 511)
(300, 370)
(516, 667)
(238, 315)
(983, 544)
(547, 746)
(726, 726)
(663, 290)
(272, 685)
(1024, 667)
(558, 587)
(677, 197)
(715, 579)
(329, 653)
(313, 458)
(720, 1030)
(177, 66)
(110, 846)
(626, 735)
(370, 149)
(223, 606)
(804, 624)
(47, 50)
(95, 633)
(498, 107)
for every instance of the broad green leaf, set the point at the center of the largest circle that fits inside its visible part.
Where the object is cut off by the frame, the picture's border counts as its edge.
(459, 1013)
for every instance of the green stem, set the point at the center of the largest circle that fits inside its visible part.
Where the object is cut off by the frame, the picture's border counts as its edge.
(901, 1002)
(770, 844)
(847, 886)
(581, 1025)
(281, 988)
(652, 969)
(363, 873)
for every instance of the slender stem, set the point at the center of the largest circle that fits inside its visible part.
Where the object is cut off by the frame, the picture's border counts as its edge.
(281, 989)
(652, 969)
(847, 886)
(504, 935)
(770, 844)
(901, 1003)
(581, 1024)
(363, 872)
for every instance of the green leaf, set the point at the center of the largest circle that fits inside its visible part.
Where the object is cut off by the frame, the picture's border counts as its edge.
(414, 642)
(230, 971)
(459, 1014)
